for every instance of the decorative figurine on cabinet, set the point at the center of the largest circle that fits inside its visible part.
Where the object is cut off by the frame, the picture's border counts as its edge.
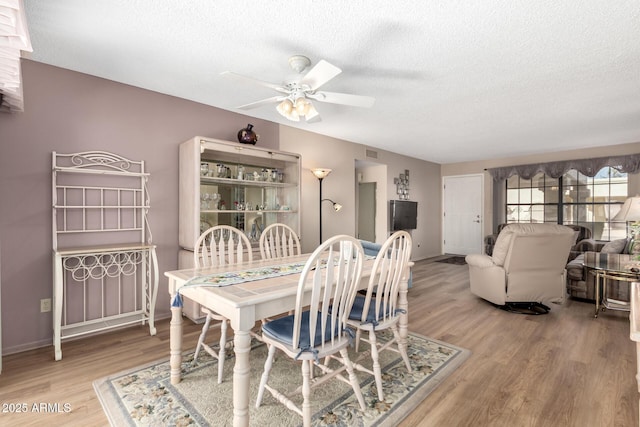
(247, 135)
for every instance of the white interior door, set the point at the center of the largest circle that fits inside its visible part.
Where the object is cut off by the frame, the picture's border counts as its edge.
(462, 223)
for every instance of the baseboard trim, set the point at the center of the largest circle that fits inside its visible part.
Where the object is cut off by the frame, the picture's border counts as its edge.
(48, 342)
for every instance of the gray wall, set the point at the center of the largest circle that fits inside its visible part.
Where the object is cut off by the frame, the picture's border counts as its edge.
(341, 185)
(70, 112)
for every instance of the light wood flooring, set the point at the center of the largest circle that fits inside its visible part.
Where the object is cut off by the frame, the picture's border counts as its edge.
(561, 369)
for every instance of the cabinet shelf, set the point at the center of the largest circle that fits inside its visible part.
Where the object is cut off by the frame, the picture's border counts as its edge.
(230, 211)
(245, 182)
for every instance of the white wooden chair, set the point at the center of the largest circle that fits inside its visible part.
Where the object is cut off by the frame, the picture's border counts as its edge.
(377, 310)
(331, 276)
(219, 245)
(279, 241)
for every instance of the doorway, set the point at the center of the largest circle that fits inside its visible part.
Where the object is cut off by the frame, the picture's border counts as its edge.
(463, 214)
(367, 211)
(372, 210)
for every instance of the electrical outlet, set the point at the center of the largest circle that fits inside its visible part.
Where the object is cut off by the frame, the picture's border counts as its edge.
(45, 305)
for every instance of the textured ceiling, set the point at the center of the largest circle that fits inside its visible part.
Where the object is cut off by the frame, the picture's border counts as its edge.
(453, 80)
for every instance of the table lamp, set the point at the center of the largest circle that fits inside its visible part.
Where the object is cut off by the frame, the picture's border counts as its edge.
(630, 212)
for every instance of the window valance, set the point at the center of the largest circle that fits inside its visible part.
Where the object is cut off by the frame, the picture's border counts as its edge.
(589, 167)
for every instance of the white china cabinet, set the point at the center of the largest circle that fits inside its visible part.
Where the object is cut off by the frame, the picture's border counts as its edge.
(227, 183)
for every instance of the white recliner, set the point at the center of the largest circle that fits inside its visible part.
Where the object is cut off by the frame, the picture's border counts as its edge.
(527, 267)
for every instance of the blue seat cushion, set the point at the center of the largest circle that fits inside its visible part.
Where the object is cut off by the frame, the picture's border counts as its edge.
(281, 329)
(370, 248)
(358, 307)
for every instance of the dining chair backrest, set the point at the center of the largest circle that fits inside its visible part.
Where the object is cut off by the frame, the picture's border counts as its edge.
(332, 274)
(222, 245)
(389, 267)
(279, 241)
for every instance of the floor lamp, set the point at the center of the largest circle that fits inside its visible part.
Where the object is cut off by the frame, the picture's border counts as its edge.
(321, 173)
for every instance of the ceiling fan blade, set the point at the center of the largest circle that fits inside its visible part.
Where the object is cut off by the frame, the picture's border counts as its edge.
(343, 98)
(321, 73)
(242, 78)
(262, 102)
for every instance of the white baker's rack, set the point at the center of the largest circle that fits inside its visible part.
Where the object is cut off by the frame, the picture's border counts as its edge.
(105, 269)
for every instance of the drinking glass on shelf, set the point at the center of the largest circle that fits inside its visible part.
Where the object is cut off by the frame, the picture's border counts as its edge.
(204, 168)
(205, 199)
(215, 198)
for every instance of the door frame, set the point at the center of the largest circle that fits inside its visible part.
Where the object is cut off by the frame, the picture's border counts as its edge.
(482, 205)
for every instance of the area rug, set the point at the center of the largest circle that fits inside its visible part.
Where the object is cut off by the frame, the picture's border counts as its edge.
(455, 259)
(144, 396)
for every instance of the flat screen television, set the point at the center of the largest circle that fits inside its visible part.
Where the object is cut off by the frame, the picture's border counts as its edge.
(403, 214)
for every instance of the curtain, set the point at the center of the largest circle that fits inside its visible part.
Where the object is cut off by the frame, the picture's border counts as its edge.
(14, 37)
(589, 167)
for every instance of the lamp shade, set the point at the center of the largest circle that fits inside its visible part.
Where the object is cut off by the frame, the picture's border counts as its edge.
(630, 210)
(321, 173)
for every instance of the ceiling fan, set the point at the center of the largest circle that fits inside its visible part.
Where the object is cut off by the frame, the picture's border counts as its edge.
(294, 100)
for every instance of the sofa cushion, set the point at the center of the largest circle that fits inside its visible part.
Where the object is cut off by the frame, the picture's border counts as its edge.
(614, 247)
(575, 268)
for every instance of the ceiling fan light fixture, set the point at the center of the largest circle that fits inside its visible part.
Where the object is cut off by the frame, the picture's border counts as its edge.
(287, 110)
(302, 106)
(294, 116)
(285, 107)
(311, 112)
(293, 110)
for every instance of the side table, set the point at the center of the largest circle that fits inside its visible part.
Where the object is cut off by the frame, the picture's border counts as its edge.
(605, 267)
(634, 333)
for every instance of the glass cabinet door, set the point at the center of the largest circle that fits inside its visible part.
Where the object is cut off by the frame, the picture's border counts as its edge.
(245, 187)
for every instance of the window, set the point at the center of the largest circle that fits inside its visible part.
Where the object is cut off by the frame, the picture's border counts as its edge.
(573, 198)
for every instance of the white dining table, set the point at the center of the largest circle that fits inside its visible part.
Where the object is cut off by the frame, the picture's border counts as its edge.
(244, 304)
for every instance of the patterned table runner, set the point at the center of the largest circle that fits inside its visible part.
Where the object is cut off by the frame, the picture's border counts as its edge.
(257, 273)
(218, 280)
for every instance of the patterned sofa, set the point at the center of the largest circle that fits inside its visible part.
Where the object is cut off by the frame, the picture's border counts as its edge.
(583, 241)
(581, 282)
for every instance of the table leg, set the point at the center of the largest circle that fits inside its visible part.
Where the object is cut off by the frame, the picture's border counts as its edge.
(597, 285)
(241, 370)
(175, 344)
(403, 304)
